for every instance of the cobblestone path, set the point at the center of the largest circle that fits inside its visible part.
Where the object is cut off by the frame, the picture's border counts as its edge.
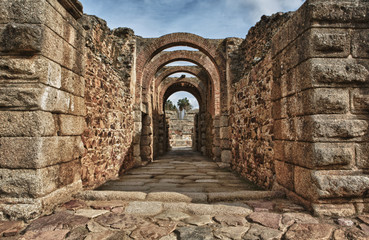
(184, 196)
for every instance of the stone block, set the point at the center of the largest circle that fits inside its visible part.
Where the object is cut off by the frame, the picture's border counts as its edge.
(339, 183)
(333, 71)
(26, 124)
(145, 141)
(279, 109)
(32, 183)
(27, 96)
(24, 210)
(58, 50)
(77, 105)
(21, 38)
(362, 156)
(226, 156)
(146, 151)
(314, 43)
(360, 100)
(360, 39)
(339, 12)
(72, 82)
(38, 97)
(285, 129)
(223, 121)
(279, 152)
(58, 19)
(312, 101)
(38, 152)
(225, 132)
(329, 42)
(322, 101)
(325, 154)
(55, 100)
(334, 210)
(304, 184)
(21, 11)
(313, 155)
(224, 144)
(146, 130)
(41, 69)
(217, 151)
(284, 174)
(71, 125)
(332, 127)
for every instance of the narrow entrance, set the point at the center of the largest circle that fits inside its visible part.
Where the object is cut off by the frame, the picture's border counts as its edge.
(181, 110)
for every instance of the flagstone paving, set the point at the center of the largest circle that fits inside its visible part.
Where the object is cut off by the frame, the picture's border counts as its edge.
(114, 213)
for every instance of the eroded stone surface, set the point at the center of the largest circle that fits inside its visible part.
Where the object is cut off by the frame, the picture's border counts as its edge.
(264, 233)
(271, 220)
(309, 231)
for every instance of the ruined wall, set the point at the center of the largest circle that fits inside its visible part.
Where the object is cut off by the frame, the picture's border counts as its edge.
(250, 117)
(320, 96)
(109, 66)
(299, 114)
(41, 105)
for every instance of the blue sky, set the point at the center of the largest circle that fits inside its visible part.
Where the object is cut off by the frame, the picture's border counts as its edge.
(207, 18)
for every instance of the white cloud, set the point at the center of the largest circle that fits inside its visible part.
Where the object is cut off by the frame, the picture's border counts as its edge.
(208, 18)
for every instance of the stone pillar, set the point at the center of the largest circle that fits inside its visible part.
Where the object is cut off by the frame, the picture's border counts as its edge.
(320, 96)
(217, 140)
(137, 137)
(41, 105)
(146, 138)
(225, 144)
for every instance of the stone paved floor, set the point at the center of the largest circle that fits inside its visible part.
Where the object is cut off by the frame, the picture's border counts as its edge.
(186, 172)
(113, 214)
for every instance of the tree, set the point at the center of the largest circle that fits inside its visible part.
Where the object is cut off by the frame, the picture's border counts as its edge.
(184, 103)
(170, 106)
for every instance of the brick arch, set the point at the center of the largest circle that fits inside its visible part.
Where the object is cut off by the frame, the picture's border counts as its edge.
(197, 58)
(157, 45)
(192, 85)
(167, 71)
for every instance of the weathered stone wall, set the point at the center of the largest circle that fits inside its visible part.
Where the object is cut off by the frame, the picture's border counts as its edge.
(250, 117)
(320, 96)
(109, 66)
(41, 105)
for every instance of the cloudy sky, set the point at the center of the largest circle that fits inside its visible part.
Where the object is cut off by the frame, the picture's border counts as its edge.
(207, 18)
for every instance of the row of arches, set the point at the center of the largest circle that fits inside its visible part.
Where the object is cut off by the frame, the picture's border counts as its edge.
(155, 83)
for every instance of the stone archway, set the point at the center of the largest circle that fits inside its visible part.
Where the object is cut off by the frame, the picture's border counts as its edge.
(150, 98)
(172, 85)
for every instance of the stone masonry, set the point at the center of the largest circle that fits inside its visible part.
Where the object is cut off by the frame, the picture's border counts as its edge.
(286, 107)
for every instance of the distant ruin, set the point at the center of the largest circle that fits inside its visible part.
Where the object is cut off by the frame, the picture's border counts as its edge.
(182, 131)
(286, 107)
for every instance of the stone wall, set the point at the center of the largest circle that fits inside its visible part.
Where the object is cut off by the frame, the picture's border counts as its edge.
(250, 117)
(320, 96)
(299, 116)
(42, 105)
(109, 66)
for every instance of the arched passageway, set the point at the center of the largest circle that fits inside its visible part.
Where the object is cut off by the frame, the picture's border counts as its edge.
(155, 85)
